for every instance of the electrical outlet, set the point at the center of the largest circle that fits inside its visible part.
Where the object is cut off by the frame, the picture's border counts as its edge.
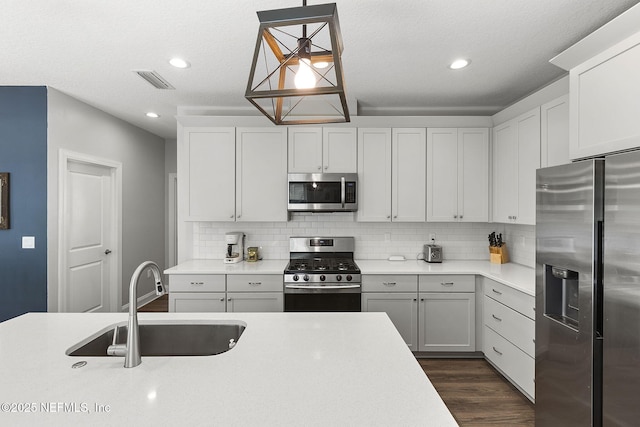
(387, 237)
(432, 237)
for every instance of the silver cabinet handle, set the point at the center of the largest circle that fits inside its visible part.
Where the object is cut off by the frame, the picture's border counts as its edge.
(388, 216)
(497, 351)
(326, 167)
(415, 299)
(496, 317)
(221, 299)
(231, 216)
(496, 292)
(395, 216)
(455, 216)
(239, 216)
(460, 216)
(447, 283)
(389, 283)
(319, 167)
(255, 283)
(196, 283)
(421, 299)
(228, 299)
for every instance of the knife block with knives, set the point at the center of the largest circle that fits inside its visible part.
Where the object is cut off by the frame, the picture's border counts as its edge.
(498, 253)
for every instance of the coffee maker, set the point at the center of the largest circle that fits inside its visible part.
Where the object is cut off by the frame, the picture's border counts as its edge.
(235, 247)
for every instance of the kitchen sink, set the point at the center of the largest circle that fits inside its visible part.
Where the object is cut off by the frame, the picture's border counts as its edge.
(166, 339)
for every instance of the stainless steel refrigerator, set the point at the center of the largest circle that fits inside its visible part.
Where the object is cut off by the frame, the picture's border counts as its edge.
(588, 293)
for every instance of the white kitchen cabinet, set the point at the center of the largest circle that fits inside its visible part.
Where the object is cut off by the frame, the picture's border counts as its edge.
(392, 175)
(446, 319)
(261, 177)
(197, 293)
(509, 334)
(458, 174)
(605, 100)
(402, 309)
(554, 132)
(516, 156)
(322, 149)
(207, 162)
(255, 302)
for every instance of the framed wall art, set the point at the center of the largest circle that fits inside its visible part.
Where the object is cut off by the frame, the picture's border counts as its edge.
(4, 200)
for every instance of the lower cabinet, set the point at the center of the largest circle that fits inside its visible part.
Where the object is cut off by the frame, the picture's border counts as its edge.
(426, 320)
(509, 334)
(231, 293)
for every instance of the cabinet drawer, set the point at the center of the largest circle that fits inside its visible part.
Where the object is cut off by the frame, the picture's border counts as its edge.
(513, 362)
(255, 283)
(447, 283)
(513, 326)
(197, 302)
(196, 283)
(389, 283)
(519, 301)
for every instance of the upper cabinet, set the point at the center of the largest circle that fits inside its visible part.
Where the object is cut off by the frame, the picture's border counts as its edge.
(207, 170)
(605, 99)
(516, 156)
(322, 149)
(233, 174)
(261, 177)
(554, 134)
(458, 174)
(392, 174)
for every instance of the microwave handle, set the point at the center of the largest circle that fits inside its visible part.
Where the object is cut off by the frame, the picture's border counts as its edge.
(342, 191)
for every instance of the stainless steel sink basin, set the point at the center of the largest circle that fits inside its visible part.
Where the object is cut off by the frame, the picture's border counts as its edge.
(166, 339)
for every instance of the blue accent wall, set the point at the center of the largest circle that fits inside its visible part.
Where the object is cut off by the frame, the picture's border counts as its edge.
(23, 153)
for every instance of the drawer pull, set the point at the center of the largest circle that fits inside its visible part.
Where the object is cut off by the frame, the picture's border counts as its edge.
(221, 299)
(447, 283)
(255, 283)
(389, 283)
(496, 317)
(196, 283)
(496, 292)
(497, 351)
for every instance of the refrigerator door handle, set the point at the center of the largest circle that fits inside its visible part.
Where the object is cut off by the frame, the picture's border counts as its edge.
(598, 291)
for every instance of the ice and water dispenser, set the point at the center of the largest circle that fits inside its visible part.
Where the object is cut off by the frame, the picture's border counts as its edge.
(561, 296)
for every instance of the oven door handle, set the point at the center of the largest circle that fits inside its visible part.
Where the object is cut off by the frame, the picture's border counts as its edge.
(321, 287)
(343, 191)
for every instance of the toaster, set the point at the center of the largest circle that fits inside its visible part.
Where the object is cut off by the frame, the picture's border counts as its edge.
(433, 253)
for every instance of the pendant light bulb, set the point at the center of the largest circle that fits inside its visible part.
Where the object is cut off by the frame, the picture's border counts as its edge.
(304, 76)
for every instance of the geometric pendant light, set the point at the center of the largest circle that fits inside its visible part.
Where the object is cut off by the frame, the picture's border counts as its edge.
(296, 73)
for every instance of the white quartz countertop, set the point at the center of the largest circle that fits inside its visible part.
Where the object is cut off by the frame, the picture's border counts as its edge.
(287, 369)
(514, 275)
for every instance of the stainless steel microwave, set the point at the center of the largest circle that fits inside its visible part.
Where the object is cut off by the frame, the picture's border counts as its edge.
(323, 192)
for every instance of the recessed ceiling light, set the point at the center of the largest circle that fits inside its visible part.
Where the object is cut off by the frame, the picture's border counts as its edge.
(179, 63)
(459, 63)
(153, 115)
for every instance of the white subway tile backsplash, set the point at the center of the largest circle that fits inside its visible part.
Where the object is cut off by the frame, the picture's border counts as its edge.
(466, 241)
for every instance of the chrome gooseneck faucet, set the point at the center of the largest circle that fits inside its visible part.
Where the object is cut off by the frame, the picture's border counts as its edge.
(131, 350)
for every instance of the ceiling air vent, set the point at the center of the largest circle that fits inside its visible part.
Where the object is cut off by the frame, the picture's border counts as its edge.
(155, 79)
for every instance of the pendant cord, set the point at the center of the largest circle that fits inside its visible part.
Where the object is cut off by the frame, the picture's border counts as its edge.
(304, 26)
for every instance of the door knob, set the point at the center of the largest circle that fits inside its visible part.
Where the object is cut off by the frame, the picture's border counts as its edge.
(107, 252)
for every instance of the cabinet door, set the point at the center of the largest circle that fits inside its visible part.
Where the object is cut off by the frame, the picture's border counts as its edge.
(197, 302)
(207, 161)
(473, 175)
(402, 309)
(374, 175)
(305, 149)
(447, 322)
(505, 172)
(255, 302)
(409, 175)
(554, 136)
(528, 130)
(339, 150)
(261, 177)
(442, 174)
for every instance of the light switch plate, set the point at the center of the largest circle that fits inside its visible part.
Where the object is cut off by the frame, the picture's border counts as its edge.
(28, 242)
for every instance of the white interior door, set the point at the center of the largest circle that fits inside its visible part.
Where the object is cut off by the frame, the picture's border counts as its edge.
(89, 239)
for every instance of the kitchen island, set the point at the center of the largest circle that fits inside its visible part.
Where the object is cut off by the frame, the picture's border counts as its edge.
(312, 369)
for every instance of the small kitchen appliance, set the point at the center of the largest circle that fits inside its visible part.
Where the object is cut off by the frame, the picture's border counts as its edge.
(432, 253)
(323, 192)
(321, 275)
(235, 247)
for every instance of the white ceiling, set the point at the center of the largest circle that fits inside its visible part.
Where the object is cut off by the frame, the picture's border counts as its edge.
(395, 58)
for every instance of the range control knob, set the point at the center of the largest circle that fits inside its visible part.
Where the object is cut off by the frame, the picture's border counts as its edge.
(349, 277)
(339, 277)
(295, 278)
(306, 277)
(322, 277)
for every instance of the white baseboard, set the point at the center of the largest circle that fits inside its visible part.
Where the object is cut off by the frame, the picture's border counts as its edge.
(144, 299)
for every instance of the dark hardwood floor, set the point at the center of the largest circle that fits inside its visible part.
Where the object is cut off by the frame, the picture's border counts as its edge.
(475, 393)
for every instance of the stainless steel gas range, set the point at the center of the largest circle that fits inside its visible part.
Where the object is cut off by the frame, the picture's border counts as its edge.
(321, 275)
